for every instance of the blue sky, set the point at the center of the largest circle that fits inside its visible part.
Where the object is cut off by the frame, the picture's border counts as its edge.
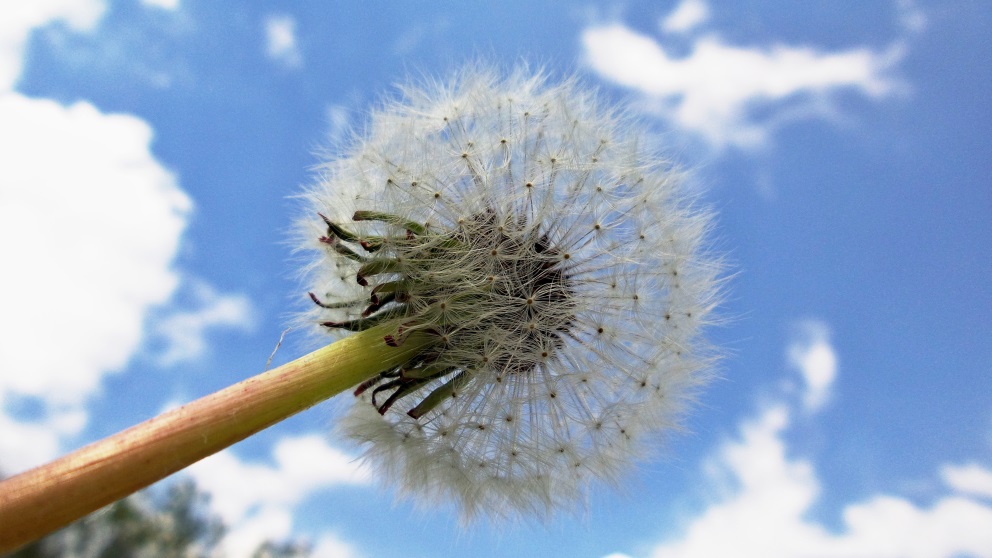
(149, 152)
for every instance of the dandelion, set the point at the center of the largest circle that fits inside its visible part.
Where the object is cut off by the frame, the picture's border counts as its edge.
(554, 262)
(525, 282)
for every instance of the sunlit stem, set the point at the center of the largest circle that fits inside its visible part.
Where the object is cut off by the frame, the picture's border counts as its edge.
(48, 497)
(408, 328)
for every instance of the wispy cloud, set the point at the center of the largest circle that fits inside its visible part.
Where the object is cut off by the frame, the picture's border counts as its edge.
(164, 4)
(970, 479)
(18, 20)
(280, 40)
(420, 35)
(911, 17)
(338, 124)
(734, 95)
(257, 500)
(184, 330)
(813, 356)
(686, 16)
(767, 513)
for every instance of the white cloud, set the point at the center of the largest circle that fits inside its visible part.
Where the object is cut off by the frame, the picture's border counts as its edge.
(338, 124)
(184, 331)
(970, 479)
(911, 17)
(29, 442)
(257, 499)
(688, 15)
(89, 225)
(814, 357)
(269, 523)
(18, 19)
(280, 40)
(330, 546)
(765, 517)
(716, 90)
(766, 513)
(164, 4)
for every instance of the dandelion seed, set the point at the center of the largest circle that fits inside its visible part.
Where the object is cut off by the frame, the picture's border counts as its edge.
(531, 255)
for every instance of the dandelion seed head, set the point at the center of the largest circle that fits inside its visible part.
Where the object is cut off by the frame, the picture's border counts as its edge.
(559, 266)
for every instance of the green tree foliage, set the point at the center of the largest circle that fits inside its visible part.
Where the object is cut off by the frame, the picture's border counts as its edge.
(149, 525)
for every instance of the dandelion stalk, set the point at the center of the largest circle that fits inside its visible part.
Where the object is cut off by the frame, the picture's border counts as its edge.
(48, 497)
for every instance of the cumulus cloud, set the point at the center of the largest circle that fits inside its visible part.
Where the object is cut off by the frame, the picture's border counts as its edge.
(767, 512)
(733, 95)
(686, 16)
(257, 499)
(89, 225)
(280, 40)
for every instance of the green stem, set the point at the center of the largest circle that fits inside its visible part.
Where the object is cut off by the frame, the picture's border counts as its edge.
(39, 501)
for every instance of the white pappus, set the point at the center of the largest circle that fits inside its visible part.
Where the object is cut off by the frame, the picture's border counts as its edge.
(559, 265)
